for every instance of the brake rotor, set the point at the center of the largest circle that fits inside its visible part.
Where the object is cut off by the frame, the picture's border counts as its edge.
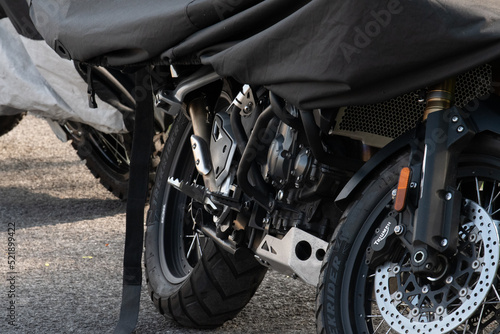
(410, 304)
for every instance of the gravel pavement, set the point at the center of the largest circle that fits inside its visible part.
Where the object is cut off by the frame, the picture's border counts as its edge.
(69, 235)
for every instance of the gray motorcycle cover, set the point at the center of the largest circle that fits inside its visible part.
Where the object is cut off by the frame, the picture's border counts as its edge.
(316, 53)
(35, 79)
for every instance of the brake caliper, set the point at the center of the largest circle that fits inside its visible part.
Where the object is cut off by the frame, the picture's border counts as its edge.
(384, 240)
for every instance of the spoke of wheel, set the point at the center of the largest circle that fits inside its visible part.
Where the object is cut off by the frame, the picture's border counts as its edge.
(477, 191)
(115, 151)
(491, 197)
(193, 242)
(200, 251)
(495, 212)
(480, 318)
(496, 293)
(465, 327)
(491, 303)
(376, 329)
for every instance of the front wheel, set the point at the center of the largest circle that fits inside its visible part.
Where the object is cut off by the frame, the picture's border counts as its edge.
(190, 279)
(354, 298)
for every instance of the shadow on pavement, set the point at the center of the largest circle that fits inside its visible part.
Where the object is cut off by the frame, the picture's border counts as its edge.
(28, 208)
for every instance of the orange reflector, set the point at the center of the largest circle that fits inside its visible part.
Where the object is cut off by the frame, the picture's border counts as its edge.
(404, 181)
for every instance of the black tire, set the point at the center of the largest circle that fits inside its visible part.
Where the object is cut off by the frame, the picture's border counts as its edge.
(200, 289)
(9, 122)
(107, 155)
(346, 300)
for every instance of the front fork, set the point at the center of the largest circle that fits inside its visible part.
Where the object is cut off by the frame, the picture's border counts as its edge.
(435, 229)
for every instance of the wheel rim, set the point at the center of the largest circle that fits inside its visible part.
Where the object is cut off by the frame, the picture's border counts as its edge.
(479, 307)
(112, 150)
(180, 241)
(409, 304)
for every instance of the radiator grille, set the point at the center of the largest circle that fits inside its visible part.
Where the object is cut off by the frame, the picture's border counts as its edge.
(377, 124)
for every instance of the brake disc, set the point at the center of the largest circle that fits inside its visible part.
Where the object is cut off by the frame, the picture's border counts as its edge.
(410, 304)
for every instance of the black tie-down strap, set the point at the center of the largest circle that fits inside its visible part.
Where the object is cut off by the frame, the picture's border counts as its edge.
(138, 187)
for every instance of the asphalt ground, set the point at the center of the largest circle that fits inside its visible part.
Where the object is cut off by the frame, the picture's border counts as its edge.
(62, 271)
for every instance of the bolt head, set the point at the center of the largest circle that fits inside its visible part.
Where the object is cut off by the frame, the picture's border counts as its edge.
(460, 129)
(444, 242)
(419, 257)
(281, 194)
(454, 119)
(449, 279)
(448, 196)
(398, 229)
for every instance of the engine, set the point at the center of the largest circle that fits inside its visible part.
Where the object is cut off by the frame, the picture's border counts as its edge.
(290, 165)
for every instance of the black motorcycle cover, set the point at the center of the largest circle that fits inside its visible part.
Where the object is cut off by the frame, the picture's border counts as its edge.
(316, 54)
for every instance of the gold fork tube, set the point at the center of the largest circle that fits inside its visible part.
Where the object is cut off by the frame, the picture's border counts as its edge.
(440, 97)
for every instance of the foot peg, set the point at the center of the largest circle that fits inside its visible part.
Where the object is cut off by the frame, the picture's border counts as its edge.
(213, 202)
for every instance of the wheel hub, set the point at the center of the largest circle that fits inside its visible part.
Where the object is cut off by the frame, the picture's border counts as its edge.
(410, 304)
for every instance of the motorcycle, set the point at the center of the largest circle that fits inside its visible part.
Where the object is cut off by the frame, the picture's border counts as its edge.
(235, 207)
(106, 155)
(389, 208)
